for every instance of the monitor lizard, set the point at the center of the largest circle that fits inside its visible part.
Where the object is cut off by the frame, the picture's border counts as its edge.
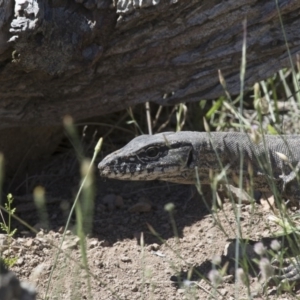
(270, 163)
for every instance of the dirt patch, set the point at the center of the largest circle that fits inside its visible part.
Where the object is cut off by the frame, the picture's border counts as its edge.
(137, 249)
(126, 260)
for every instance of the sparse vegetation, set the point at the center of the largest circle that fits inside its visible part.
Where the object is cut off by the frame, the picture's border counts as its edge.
(9, 260)
(11, 211)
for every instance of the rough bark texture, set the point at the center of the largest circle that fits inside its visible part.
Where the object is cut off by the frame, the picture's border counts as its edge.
(91, 57)
(94, 57)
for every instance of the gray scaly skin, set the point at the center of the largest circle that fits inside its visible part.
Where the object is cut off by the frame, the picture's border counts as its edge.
(178, 157)
(271, 165)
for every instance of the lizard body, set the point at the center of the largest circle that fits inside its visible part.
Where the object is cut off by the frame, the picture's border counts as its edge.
(271, 165)
(182, 157)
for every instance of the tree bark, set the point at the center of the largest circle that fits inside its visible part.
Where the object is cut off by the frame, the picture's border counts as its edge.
(91, 57)
(95, 57)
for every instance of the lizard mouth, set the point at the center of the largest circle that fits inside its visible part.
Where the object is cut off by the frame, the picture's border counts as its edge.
(104, 170)
(121, 171)
(109, 171)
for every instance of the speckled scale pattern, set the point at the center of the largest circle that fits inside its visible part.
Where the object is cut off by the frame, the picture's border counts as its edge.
(183, 154)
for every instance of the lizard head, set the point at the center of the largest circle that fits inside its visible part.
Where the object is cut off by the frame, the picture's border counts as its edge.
(163, 156)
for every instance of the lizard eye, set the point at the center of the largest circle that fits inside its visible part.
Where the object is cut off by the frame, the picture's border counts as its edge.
(152, 152)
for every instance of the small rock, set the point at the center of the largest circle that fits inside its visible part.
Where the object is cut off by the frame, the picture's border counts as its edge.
(70, 243)
(125, 258)
(223, 292)
(7, 252)
(105, 244)
(37, 271)
(20, 261)
(29, 243)
(153, 247)
(268, 204)
(61, 229)
(228, 278)
(93, 244)
(119, 202)
(100, 208)
(110, 201)
(238, 194)
(57, 235)
(158, 253)
(134, 288)
(140, 207)
(180, 291)
(40, 234)
(99, 263)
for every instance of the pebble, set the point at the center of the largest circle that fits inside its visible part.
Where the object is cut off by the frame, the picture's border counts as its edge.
(140, 207)
(105, 243)
(20, 261)
(125, 258)
(40, 234)
(112, 201)
(93, 244)
(100, 208)
(109, 201)
(119, 202)
(153, 247)
(228, 278)
(70, 243)
(37, 271)
(180, 291)
(223, 292)
(134, 288)
(61, 230)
